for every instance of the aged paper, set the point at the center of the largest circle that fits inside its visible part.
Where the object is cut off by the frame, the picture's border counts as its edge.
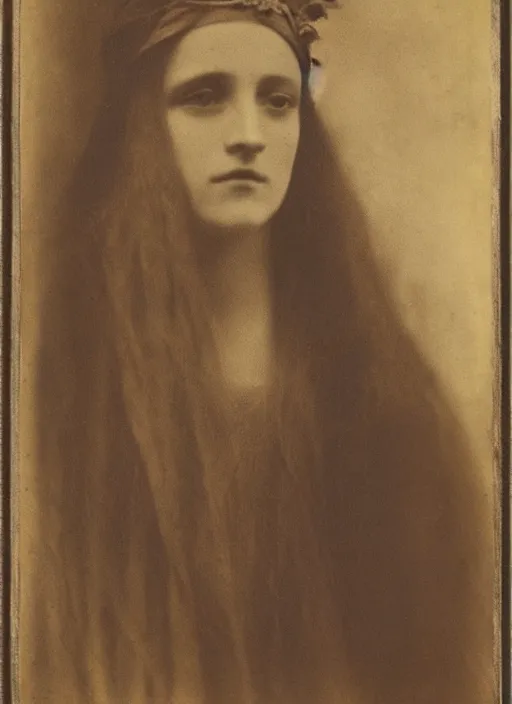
(409, 94)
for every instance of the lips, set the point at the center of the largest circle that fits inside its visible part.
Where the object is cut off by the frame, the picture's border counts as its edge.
(240, 175)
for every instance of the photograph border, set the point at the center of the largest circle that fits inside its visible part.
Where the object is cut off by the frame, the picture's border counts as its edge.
(10, 349)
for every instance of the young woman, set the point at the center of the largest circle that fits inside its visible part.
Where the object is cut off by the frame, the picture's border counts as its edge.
(251, 486)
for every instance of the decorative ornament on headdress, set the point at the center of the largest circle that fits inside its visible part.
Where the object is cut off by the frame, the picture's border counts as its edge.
(143, 24)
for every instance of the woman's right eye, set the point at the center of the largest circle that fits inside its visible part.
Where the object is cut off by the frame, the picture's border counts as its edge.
(203, 98)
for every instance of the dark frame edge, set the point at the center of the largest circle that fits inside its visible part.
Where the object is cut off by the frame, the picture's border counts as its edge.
(9, 331)
(12, 334)
(7, 208)
(504, 263)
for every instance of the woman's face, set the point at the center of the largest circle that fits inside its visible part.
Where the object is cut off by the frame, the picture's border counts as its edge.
(233, 97)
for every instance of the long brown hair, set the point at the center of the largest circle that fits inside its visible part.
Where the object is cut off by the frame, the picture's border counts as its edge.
(337, 525)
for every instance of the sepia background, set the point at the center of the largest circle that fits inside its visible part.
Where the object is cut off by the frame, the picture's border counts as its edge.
(409, 98)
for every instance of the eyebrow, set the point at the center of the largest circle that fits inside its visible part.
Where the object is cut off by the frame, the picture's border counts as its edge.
(267, 82)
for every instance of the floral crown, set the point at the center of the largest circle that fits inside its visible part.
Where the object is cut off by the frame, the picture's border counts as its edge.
(142, 24)
(301, 16)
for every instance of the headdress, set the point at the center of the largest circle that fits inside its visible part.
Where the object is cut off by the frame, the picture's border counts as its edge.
(141, 25)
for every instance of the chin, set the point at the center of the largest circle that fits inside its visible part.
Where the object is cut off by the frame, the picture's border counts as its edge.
(247, 218)
(239, 225)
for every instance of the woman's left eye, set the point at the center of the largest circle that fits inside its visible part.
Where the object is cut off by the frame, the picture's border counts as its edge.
(280, 102)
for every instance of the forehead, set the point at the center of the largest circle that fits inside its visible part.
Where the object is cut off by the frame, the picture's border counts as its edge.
(244, 49)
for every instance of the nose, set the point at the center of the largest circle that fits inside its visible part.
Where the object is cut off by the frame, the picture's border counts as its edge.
(245, 138)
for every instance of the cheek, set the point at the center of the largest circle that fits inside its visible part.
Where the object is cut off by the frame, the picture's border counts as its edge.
(189, 144)
(286, 142)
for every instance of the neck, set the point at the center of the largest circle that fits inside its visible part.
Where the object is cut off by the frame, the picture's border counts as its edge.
(237, 275)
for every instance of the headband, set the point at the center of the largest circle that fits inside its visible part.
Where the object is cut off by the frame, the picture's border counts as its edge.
(143, 24)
